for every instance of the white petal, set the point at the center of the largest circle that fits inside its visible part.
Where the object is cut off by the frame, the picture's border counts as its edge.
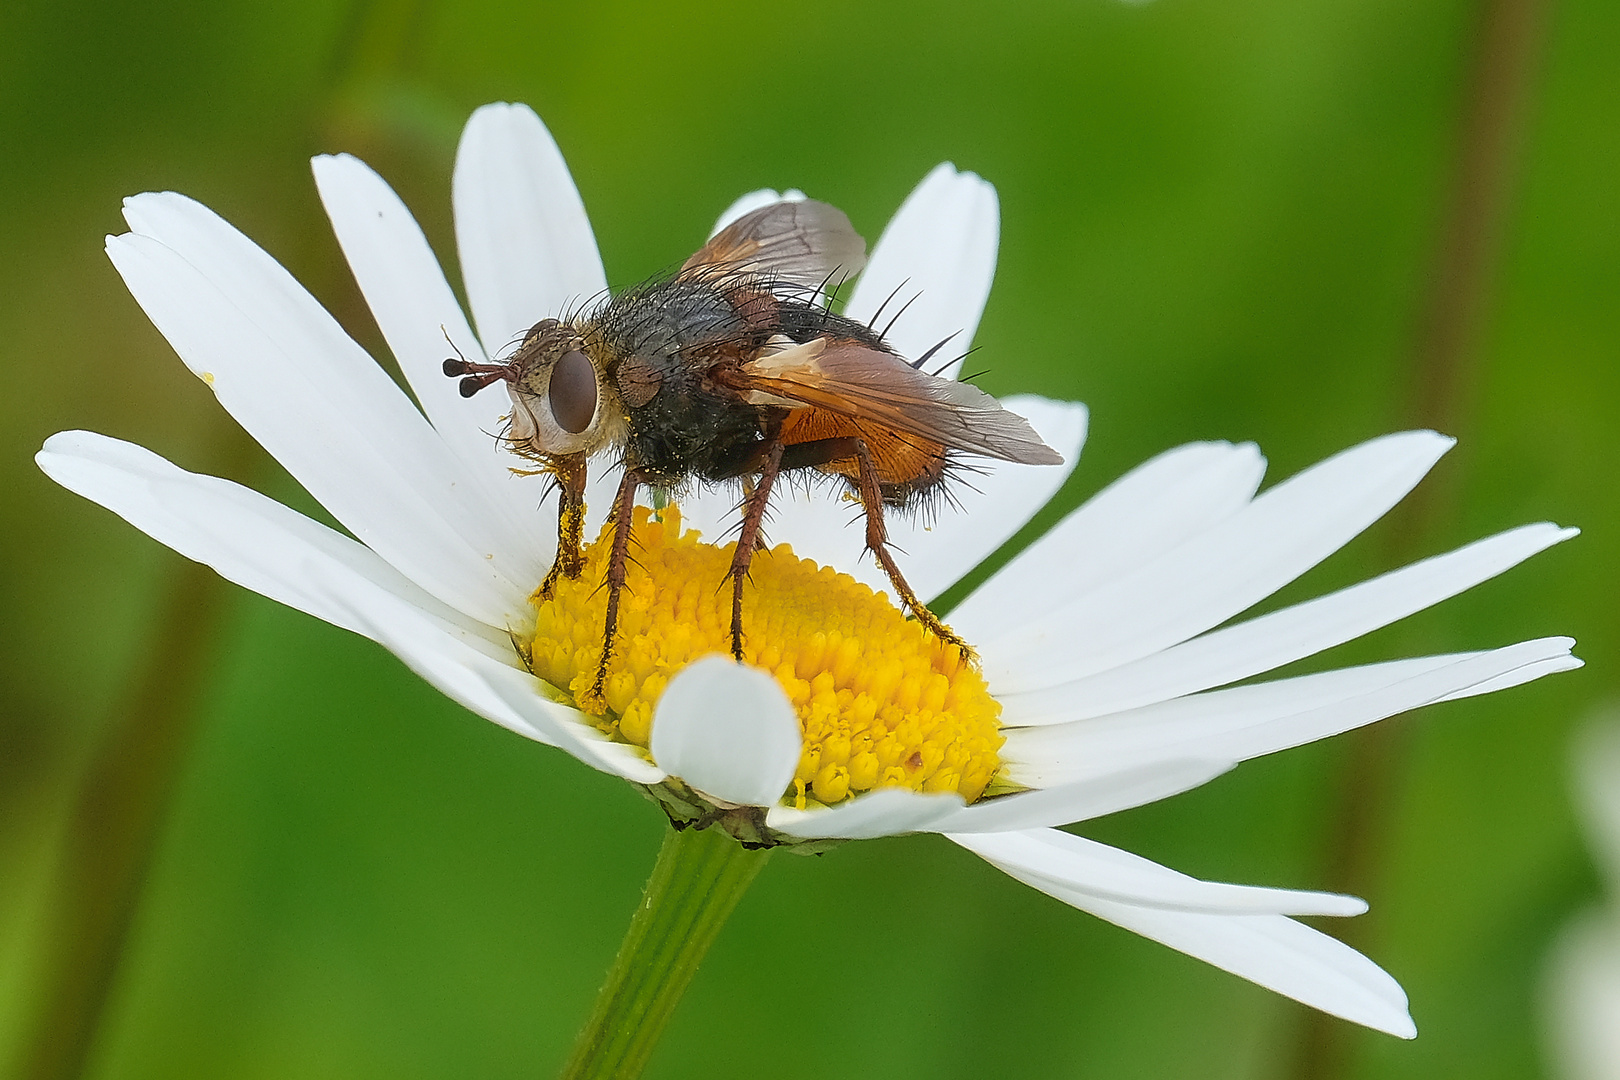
(1106, 789)
(1281, 637)
(729, 731)
(884, 812)
(934, 545)
(932, 268)
(808, 512)
(984, 509)
(269, 548)
(527, 250)
(1223, 571)
(754, 200)
(1067, 861)
(1145, 513)
(419, 316)
(492, 688)
(1271, 950)
(289, 375)
(249, 539)
(1518, 677)
(1249, 721)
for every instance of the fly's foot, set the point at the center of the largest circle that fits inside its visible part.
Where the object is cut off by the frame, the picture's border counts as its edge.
(561, 567)
(594, 701)
(944, 633)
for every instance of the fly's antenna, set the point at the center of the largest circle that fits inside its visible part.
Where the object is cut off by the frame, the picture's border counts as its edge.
(453, 347)
(478, 376)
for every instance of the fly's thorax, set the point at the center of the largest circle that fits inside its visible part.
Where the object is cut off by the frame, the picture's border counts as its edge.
(562, 403)
(658, 344)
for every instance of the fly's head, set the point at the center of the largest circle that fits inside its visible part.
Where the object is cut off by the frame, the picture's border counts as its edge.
(561, 404)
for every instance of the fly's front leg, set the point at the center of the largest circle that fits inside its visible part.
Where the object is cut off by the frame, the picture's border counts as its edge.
(624, 505)
(570, 560)
(755, 502)
(869, 487)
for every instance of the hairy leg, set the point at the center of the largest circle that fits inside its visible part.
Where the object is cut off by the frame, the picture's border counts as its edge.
(868, 487)
(624, 504)
(570, 560)
(757, 498)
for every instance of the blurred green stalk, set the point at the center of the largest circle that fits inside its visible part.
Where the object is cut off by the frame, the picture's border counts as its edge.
(124, 796)
(114, 828)
(1504, 45)
(698, 879)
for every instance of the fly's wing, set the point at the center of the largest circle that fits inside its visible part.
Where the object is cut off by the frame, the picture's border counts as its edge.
(852, 379)
(798, 243)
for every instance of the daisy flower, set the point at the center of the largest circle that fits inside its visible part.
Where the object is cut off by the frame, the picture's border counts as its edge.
(1106, 662)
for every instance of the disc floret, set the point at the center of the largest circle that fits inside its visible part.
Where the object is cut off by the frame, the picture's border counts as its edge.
(881, 701)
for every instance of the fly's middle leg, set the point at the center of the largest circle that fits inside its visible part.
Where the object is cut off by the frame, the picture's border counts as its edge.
(755, 502)
(623, 514)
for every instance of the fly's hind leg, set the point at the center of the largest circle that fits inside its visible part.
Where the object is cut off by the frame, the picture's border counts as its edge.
(877, 542)
(870, 490)
(624, 505)
(570, 561)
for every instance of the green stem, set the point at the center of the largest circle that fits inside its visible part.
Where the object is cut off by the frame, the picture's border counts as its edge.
(699, 878)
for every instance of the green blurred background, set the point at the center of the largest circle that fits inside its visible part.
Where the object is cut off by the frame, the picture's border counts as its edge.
(1304, 223)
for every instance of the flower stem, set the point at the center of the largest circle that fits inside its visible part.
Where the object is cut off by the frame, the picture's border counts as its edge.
(699, 877)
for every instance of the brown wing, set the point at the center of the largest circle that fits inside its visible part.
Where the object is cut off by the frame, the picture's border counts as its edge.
(802, 243)
(852, 379)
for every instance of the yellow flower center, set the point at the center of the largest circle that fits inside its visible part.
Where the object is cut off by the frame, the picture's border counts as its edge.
(881, 702)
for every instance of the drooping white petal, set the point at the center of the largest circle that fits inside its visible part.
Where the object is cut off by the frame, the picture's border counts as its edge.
(526, 246)
(1281, 637)
(884, 812)
(1217, 574)
(492, 688)
(1249, 721)
(289, 375)
(932, 267)
(262, 545)
(1107, 788)
(982, 510)
(729, 731)
(249, 539)
(423, 323)
(1150, 510)
(754, 200)
(1067, 861)
(1272, 950)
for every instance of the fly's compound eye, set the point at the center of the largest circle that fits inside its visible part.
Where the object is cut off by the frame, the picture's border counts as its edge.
(572, 392)
(556, 402)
